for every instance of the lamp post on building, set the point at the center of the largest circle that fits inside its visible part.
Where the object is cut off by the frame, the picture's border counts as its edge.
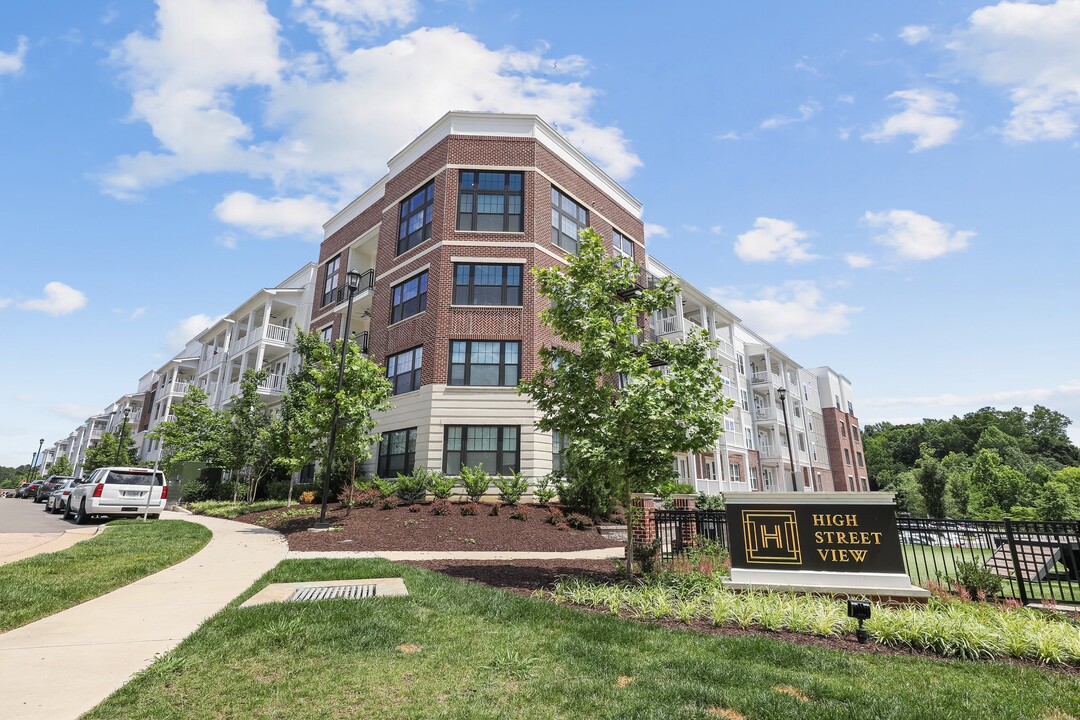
(352, 284)
(782, 394)
(120, 436)
(33, 462)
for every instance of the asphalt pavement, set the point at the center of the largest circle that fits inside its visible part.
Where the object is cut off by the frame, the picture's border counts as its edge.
(26, 530)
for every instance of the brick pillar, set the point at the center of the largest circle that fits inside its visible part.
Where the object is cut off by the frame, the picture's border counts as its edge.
(643, 505)
(688, 524)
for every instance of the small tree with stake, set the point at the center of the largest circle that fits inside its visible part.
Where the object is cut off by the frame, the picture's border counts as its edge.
(602, 386)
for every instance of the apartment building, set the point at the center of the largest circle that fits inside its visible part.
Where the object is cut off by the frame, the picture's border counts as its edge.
(444, 246)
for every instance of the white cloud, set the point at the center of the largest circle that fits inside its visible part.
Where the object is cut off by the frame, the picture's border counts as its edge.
(796, 309)
(929, 115)
(279, 216)
(691, 228)
(804, 65)
(807, 110)
(187, 329)
(313, 129)
(773, 239)
(1032, 51)
(4, 302)
(857, 261)
(59, 299)
(729, 135)
(228, 240)
(652, 230)
(845, 99)
(914, 236)
(75, 411)
(137, 313)
(11, 63)
(915, 34)
(716, 229)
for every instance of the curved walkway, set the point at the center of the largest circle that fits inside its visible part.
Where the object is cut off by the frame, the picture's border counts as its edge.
(19, 546)
(97, 646)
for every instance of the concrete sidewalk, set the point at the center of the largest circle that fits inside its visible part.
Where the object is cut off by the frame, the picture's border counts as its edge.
(600, 554)
(17, 546)
(96, 647)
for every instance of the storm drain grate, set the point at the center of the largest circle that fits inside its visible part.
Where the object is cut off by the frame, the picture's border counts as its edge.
(334, 592)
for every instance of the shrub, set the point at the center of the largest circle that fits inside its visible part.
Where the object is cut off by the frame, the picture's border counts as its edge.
(645, 555)
(348, 495)
(494, 511)
(707, 556)
(475, 481)
(511, 489)
(412, 488)
(277, 490)
(519, 513)
(194, 490)
(307, 496)
(388, 503)
(669, 488)
(367, 498)
(470, 508)
(440, 485)
(386, 488)
(440, 507)
(544, 490)
(976, 580)
(414, 508)
(578, 521)
(555, 516)
(709, 502)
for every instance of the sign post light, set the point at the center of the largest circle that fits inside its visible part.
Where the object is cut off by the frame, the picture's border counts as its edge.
(782, 394)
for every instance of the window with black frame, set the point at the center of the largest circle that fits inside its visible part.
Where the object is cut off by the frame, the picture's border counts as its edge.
(567, 220)
(487, 284)
(330, 283)
(622, 246)
(397, 452)
(484, 362)
(494, 448)
(559, 443)
(415, 218)
(409, 298)
(403, 370)
(490, 201)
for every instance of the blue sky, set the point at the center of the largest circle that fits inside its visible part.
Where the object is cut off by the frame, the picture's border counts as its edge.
(889, 189)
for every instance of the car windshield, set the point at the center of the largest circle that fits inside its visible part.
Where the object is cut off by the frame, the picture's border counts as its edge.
(119, 477)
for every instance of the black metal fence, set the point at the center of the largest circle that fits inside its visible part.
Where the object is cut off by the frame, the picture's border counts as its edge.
(1037, 562)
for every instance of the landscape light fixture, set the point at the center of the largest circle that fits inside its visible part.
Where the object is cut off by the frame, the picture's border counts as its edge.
(352, 283)
(860, 610)
(782, 394)
(120, 435)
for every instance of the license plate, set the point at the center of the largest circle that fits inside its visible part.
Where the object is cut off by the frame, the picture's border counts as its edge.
(131, 493)
(128, 509)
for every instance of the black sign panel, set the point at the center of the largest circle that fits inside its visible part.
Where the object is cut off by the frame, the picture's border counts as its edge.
(832, 538)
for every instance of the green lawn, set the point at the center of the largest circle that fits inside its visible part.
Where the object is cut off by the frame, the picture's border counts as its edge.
(925, 563)
(33, 588)
(457, 650)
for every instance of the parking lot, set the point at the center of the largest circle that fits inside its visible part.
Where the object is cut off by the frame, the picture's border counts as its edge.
(25, 527)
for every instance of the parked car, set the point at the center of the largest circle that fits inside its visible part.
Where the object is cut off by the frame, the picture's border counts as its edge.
(118, 492)
(46, 488)
(20, 492)
(58, 498)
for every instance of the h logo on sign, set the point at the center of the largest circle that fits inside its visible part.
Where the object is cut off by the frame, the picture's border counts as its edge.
(771, 536)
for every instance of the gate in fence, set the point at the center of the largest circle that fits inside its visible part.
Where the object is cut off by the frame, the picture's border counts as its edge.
(1037, 562)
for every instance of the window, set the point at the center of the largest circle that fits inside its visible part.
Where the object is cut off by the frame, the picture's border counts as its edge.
(490, 201)
(622, 246)
(854, 431)
(493, 448)
(851, 483)
(753, 478)
(805, 392)
(865, 485)
(741, 362)
(559, 443)
(810, 422)
(802, 441)
(403, 370)
(796, 409)
(813, 451)
(843, 430)
(850, 408)
(397, 452)
(745, 400)
(836, 399)
(710, 470)
(567, 220)
(415, 225)
(409, 298)
(327, 334)
(735, 473)
(330, 283)
(749, 442)
(858, 458)
(487, 284)
(729, 424)
(847, 457)
(484, 362)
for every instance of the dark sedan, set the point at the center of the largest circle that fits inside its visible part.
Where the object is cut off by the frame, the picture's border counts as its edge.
(58, 499)
(46, 488)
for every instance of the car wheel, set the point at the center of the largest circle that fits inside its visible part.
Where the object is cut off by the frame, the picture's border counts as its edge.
(67, 511)
(48, 508)
(153, 517)
(81, 517)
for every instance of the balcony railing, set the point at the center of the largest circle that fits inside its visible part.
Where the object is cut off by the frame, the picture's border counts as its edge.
(669, 325)
(178, 387)
(273, 384)
(764, 414)
(725, 348)
(341, 294)
(277, 333)
(768, 451)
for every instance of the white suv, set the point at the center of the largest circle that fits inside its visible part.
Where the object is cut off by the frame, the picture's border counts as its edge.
(118, 491)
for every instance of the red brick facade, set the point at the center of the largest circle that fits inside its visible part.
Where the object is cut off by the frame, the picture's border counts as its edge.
(842, 433)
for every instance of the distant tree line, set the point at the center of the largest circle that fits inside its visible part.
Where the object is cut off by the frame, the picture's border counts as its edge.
(987, 464)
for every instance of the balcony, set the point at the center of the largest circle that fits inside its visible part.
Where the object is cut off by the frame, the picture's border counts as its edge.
(764, 414)
(178, 387)
(725, 348)
(768, 452)
(273, 384)
(340, 296)
(278, 334)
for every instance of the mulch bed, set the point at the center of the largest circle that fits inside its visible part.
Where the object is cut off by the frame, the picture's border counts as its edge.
(400, 529)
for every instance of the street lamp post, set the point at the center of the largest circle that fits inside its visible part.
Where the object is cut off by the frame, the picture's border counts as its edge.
(33, 462)
(352, 282)
(782, 394)
(120, 436)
